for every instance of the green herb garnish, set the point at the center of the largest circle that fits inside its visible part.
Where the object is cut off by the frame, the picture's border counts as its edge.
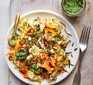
(71, 64)
(55, 38)
(18, 29)
(21, 54)
(32, 50)
(41, 61)
(50, 46)
(73, 7)
(35, 20)
(75, 49)
(53, 19)
(50, 33)
(34, 68)
(17, 34)
(36, 38)
(12, 43)
(25, 25)
(23, 40)
(27, 62)
(30, 43)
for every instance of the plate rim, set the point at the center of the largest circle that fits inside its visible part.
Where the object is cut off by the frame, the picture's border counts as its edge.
(41, 11)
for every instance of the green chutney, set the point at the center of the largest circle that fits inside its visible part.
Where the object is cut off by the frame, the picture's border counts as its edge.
(73, 7)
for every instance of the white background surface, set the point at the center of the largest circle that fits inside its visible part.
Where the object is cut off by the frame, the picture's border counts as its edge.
(4, 24)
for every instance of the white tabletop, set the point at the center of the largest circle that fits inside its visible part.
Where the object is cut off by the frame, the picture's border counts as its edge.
(4, 24)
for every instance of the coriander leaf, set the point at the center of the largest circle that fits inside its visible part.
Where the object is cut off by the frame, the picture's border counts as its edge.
(41, 61)
(27, 62)
(32, 50)
(18, 29)
(37, 27)
(50, 33)
(55, 38)
(71, 64)
(50, 46)
(25, 25)
(75, 49)
(30, 43)
(23, 40)
(35, 19)
(21, 54)
(12, 43)
(53, 19)
(36, 38)
(17, 34)
(34, 68)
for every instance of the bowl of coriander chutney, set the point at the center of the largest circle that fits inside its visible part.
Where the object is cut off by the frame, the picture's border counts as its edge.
(73, 8)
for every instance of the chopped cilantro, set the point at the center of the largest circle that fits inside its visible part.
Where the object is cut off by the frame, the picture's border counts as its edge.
(18, 29)
(34, 68)
(71, 64)
(12, 43)
(25, 25)
(41, 61)
(75, 49)
(27, 62)
(37, 27)
(50, 46)
(35, 19)
(53, 19)
(32, 50)
(30, 43)
(50, 33)
(36, 38)
(21, 54)
(17, 34)
(23, 40)
(55, 38)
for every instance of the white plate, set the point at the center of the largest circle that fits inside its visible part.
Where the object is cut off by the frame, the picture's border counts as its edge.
(70, 29)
